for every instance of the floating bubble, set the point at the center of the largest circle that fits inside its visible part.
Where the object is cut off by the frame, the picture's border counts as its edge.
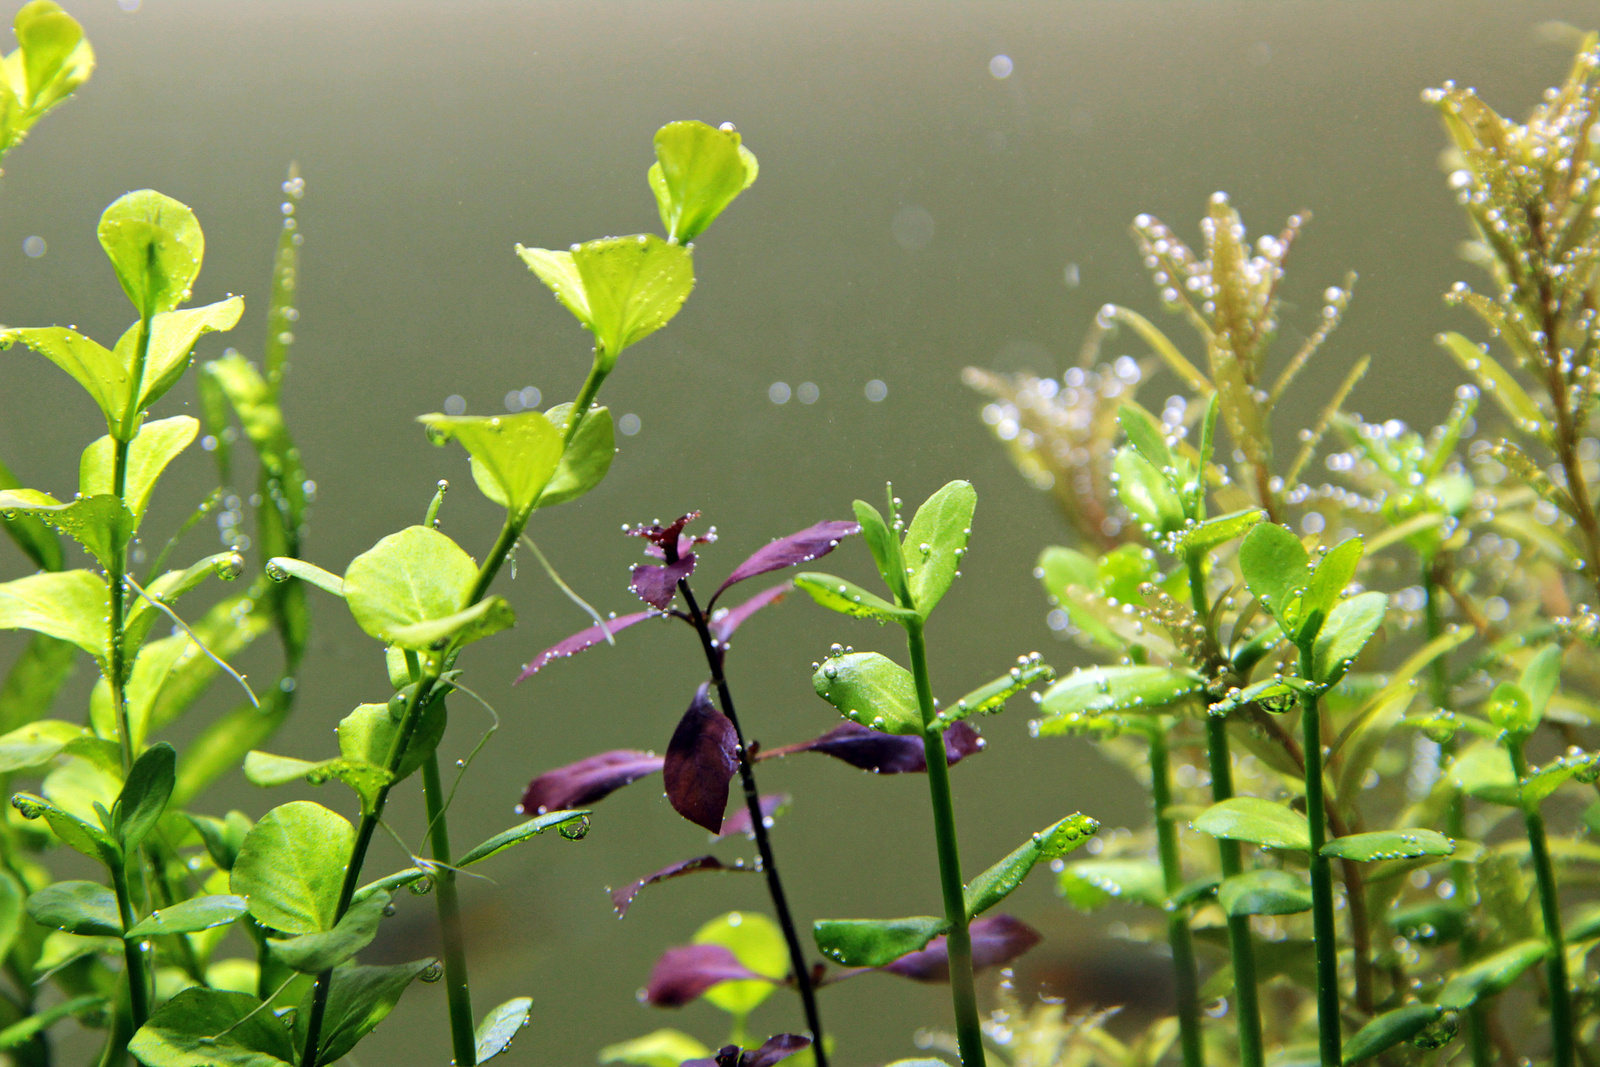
(807, 393)
(34, 247)
(628, 425)
(455, 404)
(912, 227)
(876, 390)
(778, 392)
(1001, 66)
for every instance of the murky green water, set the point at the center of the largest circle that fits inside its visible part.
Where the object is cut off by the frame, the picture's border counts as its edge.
(915, 213)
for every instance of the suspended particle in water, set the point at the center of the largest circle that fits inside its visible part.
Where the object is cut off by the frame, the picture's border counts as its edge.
(530, 397)
(778, 392)
(876, 390)
(1001, 67)
(455, 404)
(1070, 276)
(807, 393)
(628, 425)
(34, 247)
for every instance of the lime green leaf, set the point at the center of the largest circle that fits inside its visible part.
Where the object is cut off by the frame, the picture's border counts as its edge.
(361, 998)
(1389, 1029)
(155, 446)
(999, 881)
(367, 779)
(1092, 884)
(1484, 771)
(1145, 492)
(1204, 536)
(416, 575)
(870, 689)
(314, 953)
(368, 733)
(30, 687)
(48, 37)
(40, 1021)
(86, 908)
(101, 524)
(991, 698)
(1389, 845)
(291, 866)
(1509, 708)
(875, 942)
(1553, 775)
(756, 942)
(172, 338)
(566, 821)
(1144, 688)
(84, 837)
(1264, 892)
(13, 901)
(513, 456)
(621, 288)
(1493, 379)
(699, 170)
(189, 916)
(884, 548)
(661, 1048)
(1490, 975)
(848, 598)
(1540, 678)
(222, 837)
(935, 542)
(1346, 631)
(94, 366)
(213, 1028)
(1146, 437)
(144, 795)
(69, 605)
(282, 568)
(1277, 571)
(155, 246)
(487, 617)
(1257, 821)
(585, 461)
(500, 1026)
(36, 743)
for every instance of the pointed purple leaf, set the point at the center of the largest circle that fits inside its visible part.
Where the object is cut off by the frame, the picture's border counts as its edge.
(774, 1049)
(701, 759)
(622, 899)
(685, 972)
(587, 780)
(739, 821)
(811, 543)
(726, 620)
(671, 534)
(996, 941)
(581, 640)
(883, 753)
(657, 583)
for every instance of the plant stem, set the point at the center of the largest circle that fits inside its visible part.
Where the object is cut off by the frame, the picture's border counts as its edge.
(117, 669)
(958, 942)
(752, 802)
(457, 988)
(132, 952)
(1561, 1023)
(591, 386)
(1183, 967)
(1322, 926)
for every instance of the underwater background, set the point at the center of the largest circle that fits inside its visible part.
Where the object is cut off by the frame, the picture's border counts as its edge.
(941, 185)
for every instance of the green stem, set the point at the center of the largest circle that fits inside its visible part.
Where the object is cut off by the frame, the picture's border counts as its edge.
(958, 942)
(1561, 1023)
(1186, 982)
(457, 988)
(1322, 926)
(132, 953)
(591, 386)
(1240, 948)
(116, 667)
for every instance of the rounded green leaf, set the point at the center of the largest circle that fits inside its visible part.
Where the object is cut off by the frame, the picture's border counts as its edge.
(621, 288)
(94, 366)
(1389, 845)
(1264, 892)
(1348, 628)
(1256, 821)
(872, 690)
(1146, 688)
(500, 1026)
(1202, 537)
(661, 1048)
(1277, 571)
(314, 953)
(155, 446)
(1092, 884)
(1145, 492)
(848, 598)
(756, 942)
(416, 575)
(1389, 1029)
(87, 908)
(875, 942)
(189, 916)
(361, 998)
(36, 743)
(699, 170)
(1491, 975)
(587, 457)
(935, 542)
(368, 733)
(145, 794)
(291, 866)
(155, 246)
(513, 456)
(101, 524)
(172, 338)
(213, 1028)
(1509, 708)
(882, 544)
(1000, 880)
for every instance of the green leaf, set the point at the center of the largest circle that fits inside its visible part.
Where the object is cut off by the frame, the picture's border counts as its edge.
(213, 1028)
(1484, 771)
(991, 698)
(1146, 437)
(282, 568)
(222, 837)
(22, 1032)
(1092, 884)
(367, 779)
(92, 365)
(416, 575)
(622, 289)
(1540, 678)
(13, 905)
(660, 1048)
(36, 676)
(884, 548)
(145, 794)
(1144, 688)
(500, 1026)
(291, 867)
(1389, 1029)
(1349, 626)
(1263, 892)
(1145, 492)
(84, 837)
(368, 733)
(155, 246)
(1389, 845)
(315, 953)
(48, 37)
(1545, 780)
(485, 618)
(847, 598)
(37, 541)
(585, 461)
(1277, 571)
(1509, 708)
(935, 542)
(1490, 975)
(360, 999)
(699, 169)
(875, 942)
(872, 690)
(999, 881)
(155, 446)
(69, 605)
(189, 916)
(35, 744)
(513, 456)
(756, 942)
(86, 908)
(1494, 380)
(1204, 536)
(518, 834)
(99, 523)
(172, 338)
(1257, 821)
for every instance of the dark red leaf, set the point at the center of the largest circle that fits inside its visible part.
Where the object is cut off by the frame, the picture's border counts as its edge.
(657, 583)
(587, 780)
(581, 640)
(883, 753)
(811, 543)
(685, 972)
(775, 1049)
(622, 899)
(660, 537)
(727, 620)
(996, 941)
(739, 821)
(701, 760)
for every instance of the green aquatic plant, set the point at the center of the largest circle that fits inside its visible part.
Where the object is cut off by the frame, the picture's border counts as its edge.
(53, 58)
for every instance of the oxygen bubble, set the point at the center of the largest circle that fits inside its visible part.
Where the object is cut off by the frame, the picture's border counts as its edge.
(876, 391)
(778, 392)
(912, 227)
(455, 404)
(34, 247)
(628, 425)
(1000, 67)
(807, 393)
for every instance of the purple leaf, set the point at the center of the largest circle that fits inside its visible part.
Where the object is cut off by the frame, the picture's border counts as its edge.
(739, 821)
(657, 583)
(622, 899)
(581, 640)
(996, 940)
(660, 537)
(587, 780)
(724, 622)
(701, 759)
(811, 543)
(883, 753)
(685, 972)
(775, 1049)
